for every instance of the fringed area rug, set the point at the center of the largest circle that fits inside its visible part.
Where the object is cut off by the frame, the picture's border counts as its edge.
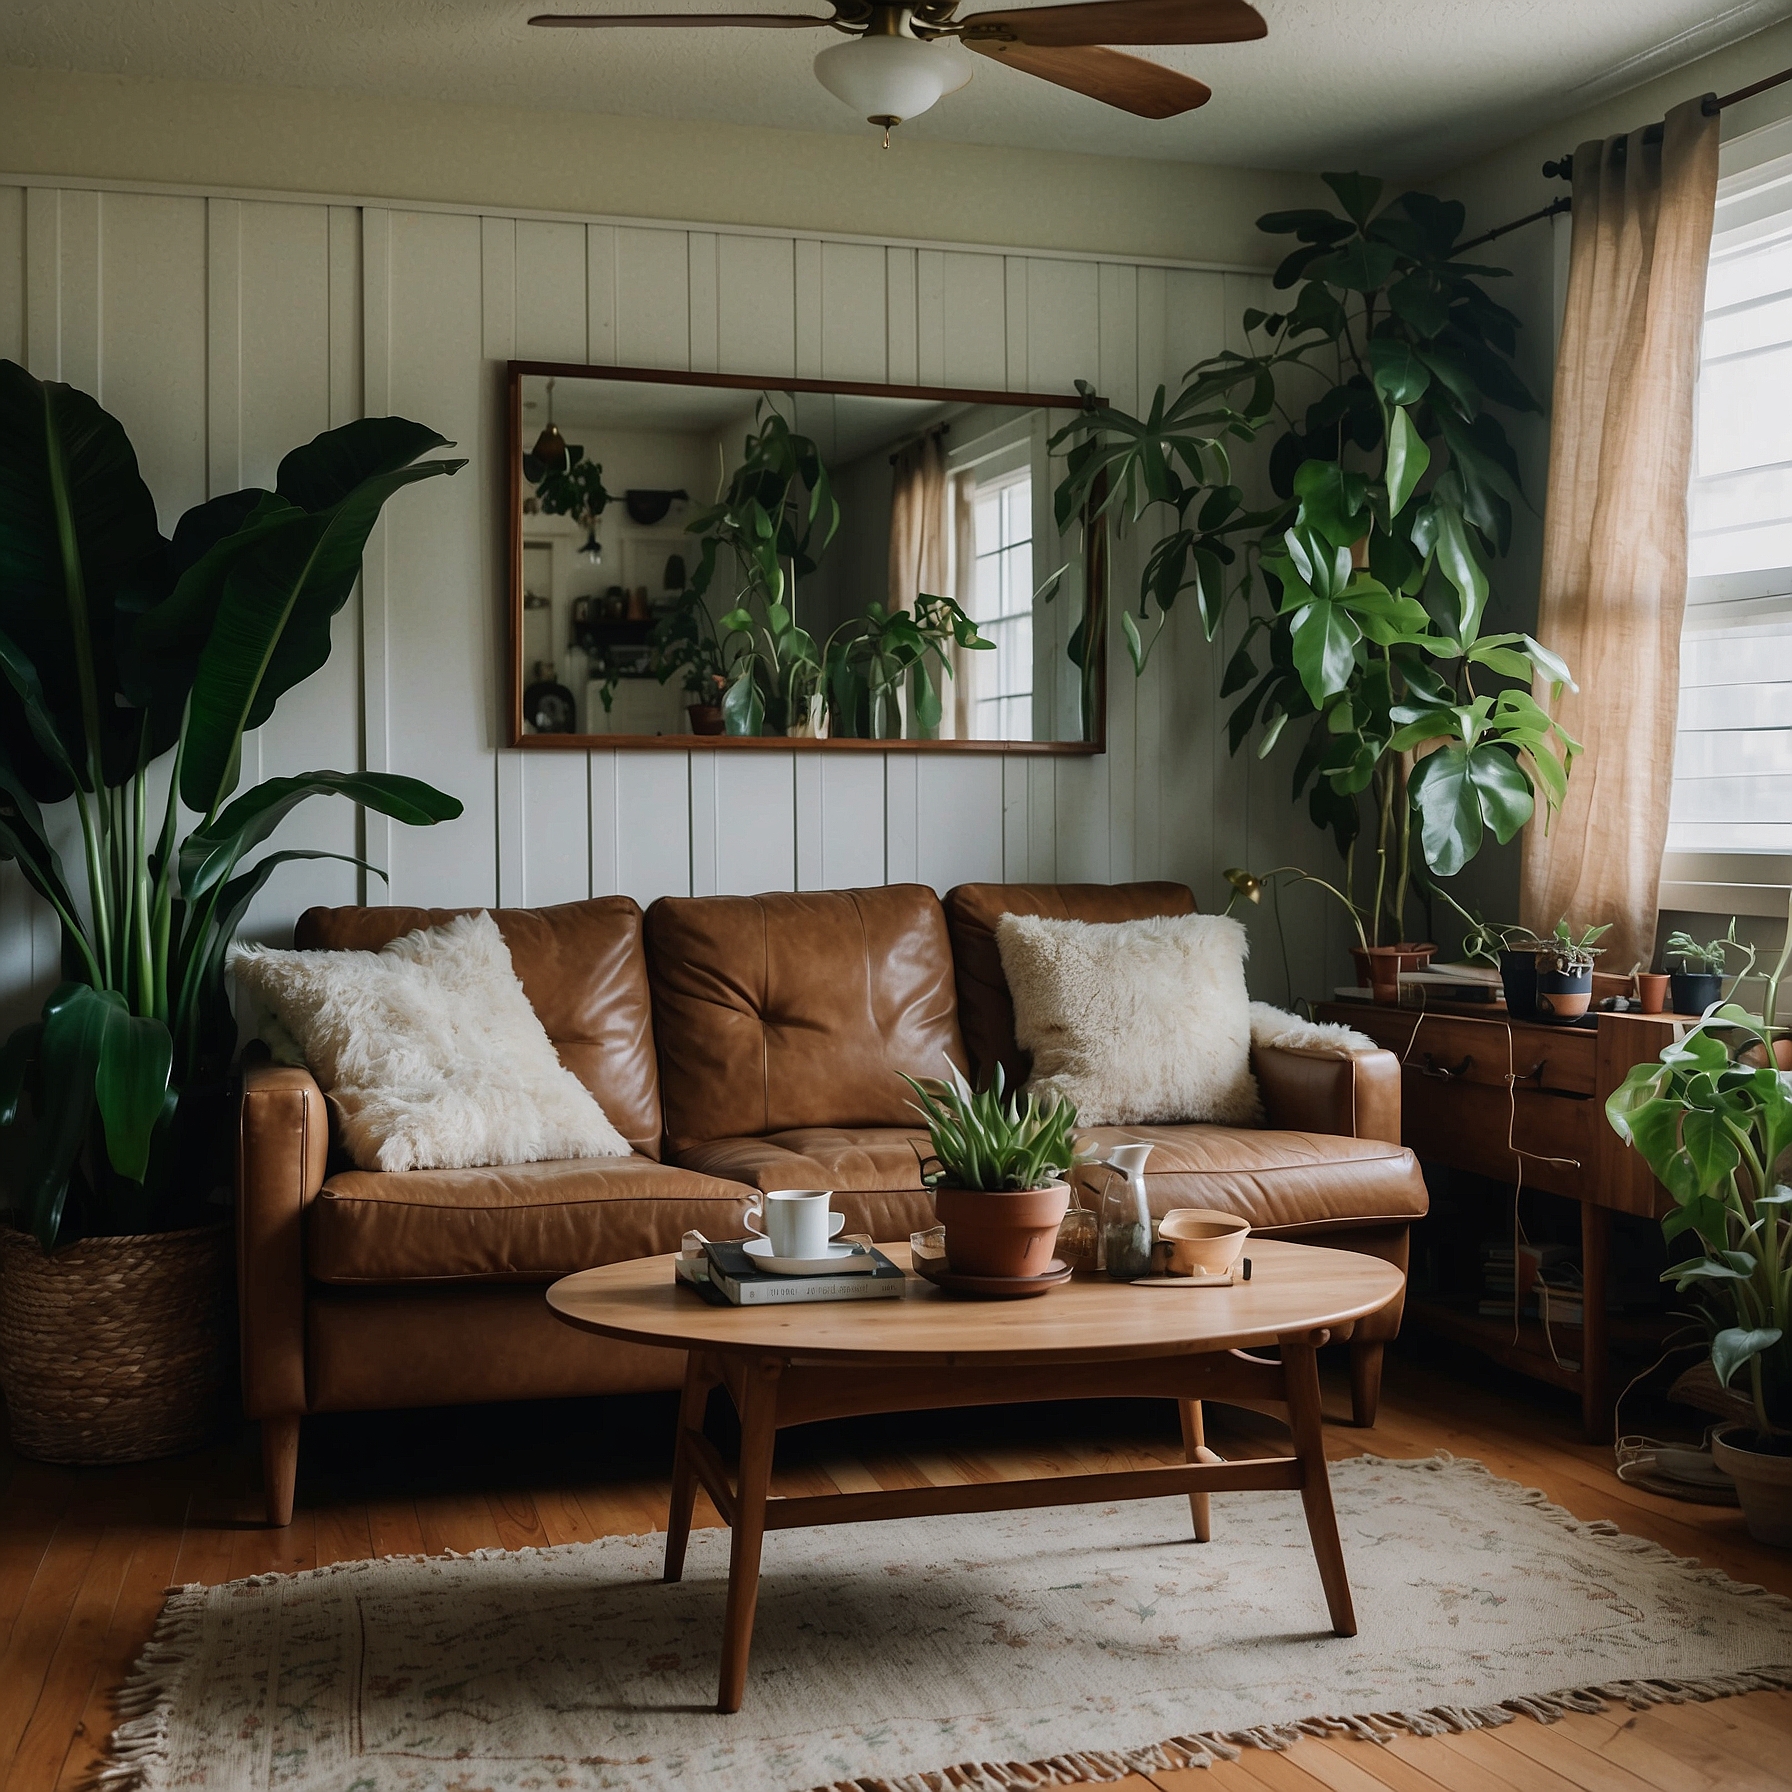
(1016, 1650)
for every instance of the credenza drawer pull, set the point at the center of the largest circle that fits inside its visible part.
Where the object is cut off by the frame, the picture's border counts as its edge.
(1445, 1072)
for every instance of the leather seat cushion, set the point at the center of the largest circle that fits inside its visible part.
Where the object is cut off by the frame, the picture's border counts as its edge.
(519, 1223)
(1284, 1183)
(874, 1171)
(985, 1008)
(581, 965)
(798, 1009)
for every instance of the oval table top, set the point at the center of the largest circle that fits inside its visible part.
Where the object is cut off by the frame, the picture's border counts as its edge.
(1293, 1288)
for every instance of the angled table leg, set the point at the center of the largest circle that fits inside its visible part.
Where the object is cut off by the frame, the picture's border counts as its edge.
(758, 1432)
(700, 1376)
(1300, 1369)
(1194, 1449)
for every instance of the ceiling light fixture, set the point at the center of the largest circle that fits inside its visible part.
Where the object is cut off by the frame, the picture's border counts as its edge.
(888, 74)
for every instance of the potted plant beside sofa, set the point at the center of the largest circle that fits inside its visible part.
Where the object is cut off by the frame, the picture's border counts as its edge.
(1713, 1118)
(998, 1181)
(130, 669)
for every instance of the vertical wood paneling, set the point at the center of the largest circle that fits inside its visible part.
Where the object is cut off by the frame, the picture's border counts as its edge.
(81, 289)
(808, 308)
(754, 823)
(899, 282)
(973, 321)
(653, 310)
(852, 820)
(901, 819)
(959, 837)
(1064, 335)
(600, 293)
(376, 394)
(1015, 318)
(12, 274)
(855, 334)
(1149, 692)
(653, 824)
(43, 283)
(930, 317)
(757, 304)
(811, 822)
(1117, 379)
(705, 324)
(604, 877)
(440, 560)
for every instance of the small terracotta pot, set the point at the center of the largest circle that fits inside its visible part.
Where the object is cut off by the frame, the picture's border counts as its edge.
(1003, 1232)
(1414, 956)
(1763, 1483)
(1652, 991)
(1380, 968)
(706, 718)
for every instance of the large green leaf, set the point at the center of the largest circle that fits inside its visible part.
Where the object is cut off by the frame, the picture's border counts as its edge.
(1733, 1347)
(130, 1083)
(272, 626)
(1449, 809)
(78, 542)
(331, 466)
(1325, 637)
(75, 1019)
(1408, 457)
(1400, 376)
(210, 854)
(1506, 799)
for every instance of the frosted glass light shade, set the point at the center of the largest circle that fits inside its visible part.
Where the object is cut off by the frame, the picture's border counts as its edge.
(887, 77)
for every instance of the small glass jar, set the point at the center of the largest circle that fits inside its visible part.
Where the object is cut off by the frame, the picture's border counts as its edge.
(1079, 1241)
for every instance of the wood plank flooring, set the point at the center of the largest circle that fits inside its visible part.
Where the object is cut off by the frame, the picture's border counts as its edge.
(86, 1554)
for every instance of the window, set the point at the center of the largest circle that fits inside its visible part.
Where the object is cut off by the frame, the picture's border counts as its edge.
(1002, 592)
(1729, 842)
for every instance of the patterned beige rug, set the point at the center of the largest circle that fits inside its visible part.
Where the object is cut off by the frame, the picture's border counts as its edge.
(1015, 1651)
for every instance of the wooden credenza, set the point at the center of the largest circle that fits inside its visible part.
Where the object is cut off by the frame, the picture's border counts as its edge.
(1524, 1101)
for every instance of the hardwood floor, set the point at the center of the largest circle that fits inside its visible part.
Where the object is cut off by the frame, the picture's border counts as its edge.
(86, 1554)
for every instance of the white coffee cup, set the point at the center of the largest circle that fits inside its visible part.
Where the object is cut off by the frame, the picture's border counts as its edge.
(795, 1221)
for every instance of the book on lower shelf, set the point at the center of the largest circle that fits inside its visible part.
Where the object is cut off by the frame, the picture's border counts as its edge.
(724, 1274)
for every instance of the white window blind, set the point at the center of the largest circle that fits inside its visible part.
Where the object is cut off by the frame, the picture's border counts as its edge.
(1729, 844)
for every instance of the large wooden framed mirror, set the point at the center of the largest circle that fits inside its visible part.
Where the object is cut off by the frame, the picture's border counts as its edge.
(725, 561)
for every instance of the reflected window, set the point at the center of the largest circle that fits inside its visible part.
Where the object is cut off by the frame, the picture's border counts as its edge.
(1002, 586)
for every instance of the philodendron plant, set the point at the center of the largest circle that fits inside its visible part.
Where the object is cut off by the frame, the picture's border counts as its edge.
(130, 669)
(1362, 576)
(1713, 1119)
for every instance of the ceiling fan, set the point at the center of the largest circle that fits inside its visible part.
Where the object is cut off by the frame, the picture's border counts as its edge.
(892, 68)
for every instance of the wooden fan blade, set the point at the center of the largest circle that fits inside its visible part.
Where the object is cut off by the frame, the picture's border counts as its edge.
(1125, 22)
(1130, 82)
(761, 21)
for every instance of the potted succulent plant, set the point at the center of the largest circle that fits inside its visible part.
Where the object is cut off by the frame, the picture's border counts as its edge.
(1699, 980)
(130, 668)
(1713, 1118)
(998, 1176)
(1565, 972)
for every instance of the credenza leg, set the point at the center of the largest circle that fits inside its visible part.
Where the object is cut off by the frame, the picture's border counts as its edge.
(758, 1432)
(1300, 1370)
(699, 1378)
(1194, 1449)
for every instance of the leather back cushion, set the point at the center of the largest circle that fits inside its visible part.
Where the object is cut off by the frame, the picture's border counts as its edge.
(985, 1010)
(582, 968)
(784, 1011)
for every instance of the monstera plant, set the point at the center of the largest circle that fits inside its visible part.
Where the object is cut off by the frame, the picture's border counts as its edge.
(1362, 576)
(132, 667)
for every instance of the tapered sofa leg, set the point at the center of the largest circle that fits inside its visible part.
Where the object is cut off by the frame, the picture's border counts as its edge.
(279, 1466)
(1365, 1380)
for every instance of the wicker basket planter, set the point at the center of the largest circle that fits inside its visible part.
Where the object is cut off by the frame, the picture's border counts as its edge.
(115, 1349)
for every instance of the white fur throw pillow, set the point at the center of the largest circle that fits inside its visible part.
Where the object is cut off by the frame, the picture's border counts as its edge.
(1314, 1038)
(430, 1052)
(1134, 1021)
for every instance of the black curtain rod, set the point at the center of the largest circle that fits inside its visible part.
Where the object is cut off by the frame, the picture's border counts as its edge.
(1562, 168)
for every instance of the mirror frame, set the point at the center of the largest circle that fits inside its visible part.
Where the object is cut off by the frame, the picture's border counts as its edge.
(1095, 567)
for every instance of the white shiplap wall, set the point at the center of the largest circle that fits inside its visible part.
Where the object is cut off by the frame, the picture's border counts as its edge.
(223, 330)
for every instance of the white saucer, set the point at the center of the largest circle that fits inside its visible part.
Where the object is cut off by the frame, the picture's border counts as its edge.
(840, 1258)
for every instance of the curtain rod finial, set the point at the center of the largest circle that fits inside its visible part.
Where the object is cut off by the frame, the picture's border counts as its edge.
(1560, 169)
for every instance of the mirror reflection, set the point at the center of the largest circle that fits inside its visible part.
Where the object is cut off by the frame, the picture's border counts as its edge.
(743, 561)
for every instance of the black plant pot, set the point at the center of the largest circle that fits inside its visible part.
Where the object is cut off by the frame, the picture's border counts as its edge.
(1518, 972)
(1693, 992)
(1563, 996)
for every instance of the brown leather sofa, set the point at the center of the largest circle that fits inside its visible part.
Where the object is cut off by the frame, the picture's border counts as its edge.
(736, 1043)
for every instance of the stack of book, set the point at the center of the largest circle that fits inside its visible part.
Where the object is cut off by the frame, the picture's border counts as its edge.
(1535, 1273)
(725, 1275)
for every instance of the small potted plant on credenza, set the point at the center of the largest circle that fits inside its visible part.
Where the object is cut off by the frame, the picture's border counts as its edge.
(1698, 979)
(1713, 1119)
(998, 1177)
(1565, 972)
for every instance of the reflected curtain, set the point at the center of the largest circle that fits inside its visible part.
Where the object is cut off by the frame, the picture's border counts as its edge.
(968, 665)
(1614, 541)
(918, 526)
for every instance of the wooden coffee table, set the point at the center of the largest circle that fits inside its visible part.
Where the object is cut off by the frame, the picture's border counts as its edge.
(792, 1365)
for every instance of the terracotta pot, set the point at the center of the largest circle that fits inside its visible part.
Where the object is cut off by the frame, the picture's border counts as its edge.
(1380, 968)
(706, 718)
(1652, 990)
(1763, 1483)
(1563, 995)
(1414, 956)
(1005, 1232)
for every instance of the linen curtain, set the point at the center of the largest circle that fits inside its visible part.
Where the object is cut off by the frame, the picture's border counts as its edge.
(960, 720)
(918, 551)
(1614, 542)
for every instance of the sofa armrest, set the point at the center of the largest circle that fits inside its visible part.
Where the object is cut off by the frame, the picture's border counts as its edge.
(1356, 1096)
(283, 1141)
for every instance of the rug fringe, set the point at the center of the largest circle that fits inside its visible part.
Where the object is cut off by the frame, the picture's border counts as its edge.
(1105, 1767)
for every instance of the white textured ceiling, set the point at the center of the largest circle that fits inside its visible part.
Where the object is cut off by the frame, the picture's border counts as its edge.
(1398, 85)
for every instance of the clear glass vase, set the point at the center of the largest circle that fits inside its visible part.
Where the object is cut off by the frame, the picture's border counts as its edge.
(1126, 1231)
